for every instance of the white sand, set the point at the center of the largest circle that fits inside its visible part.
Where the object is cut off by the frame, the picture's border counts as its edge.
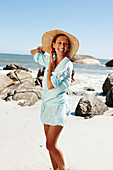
(86, 144)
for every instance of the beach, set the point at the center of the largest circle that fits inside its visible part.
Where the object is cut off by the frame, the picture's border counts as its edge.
(87, 144)
(87, 137)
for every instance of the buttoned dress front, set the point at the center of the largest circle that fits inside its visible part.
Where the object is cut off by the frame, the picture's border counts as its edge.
(56, 104)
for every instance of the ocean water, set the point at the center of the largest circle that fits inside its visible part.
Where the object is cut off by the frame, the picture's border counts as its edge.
(91, 71)
(22, 60)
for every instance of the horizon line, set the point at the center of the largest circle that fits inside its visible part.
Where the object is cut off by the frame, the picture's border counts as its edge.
(75, 54)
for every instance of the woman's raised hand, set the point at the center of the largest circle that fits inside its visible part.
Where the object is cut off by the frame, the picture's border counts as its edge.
(40, 49)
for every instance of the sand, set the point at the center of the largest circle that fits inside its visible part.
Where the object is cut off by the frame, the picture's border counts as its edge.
(86, 144)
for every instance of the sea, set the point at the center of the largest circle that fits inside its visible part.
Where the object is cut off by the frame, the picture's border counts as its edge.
(90, 71)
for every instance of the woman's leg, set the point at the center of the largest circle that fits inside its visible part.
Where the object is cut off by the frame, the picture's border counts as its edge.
(51, 144)
(54, 164)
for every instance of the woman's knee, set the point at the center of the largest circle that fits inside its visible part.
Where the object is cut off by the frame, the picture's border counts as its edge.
(50, 146)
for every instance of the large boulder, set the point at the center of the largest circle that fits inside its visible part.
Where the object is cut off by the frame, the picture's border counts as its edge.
(108, 84)
(19, 75)
(85, 59)
(12, 76)
(25, 91)
(109, 63)
(5, 81)
(109, 98)
(90, 105)
(29, 98)
(10, 91)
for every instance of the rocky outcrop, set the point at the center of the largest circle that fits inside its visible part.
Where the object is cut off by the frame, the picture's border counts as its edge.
(15, 67)
(109, 63)
(108, 84)
(19, 85)
(109, 98)
(85, 59)
(23, 91)
(90, 105)
(19, 75)
(5, 81)
(29, 98)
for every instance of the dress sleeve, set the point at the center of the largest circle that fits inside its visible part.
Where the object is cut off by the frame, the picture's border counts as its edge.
(41, 59)
(63, 77)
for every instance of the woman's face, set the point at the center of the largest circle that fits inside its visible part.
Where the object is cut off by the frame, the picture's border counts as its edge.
(61, 45)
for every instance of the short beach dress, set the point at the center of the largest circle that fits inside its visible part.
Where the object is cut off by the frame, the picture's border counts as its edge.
(56, 104)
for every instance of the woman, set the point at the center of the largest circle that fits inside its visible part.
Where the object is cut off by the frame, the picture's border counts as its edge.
(55, 103)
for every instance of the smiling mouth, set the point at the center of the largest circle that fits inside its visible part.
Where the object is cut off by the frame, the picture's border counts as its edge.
(61, 50)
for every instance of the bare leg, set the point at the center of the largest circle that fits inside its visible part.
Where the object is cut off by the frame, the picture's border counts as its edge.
(51, 144)
(54, 164)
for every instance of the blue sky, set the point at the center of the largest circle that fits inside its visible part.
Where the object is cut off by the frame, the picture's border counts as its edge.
(23, 22)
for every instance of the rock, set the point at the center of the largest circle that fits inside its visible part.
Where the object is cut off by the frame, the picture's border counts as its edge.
(109, 98)
(22, 76)
(9, 98)
(19, 75)
(38, 82)
(89, 88)
(35, 90)
(41, 72)
(10, 91)
(108, 84)
(76, 81)
(12, 76)
(29, 98)
(15, 67)
(73, 92)
(40, 76)
(70, 92)
(109, 63)
(90, 105)
(5, 82)
(85, 59)
(23, 91)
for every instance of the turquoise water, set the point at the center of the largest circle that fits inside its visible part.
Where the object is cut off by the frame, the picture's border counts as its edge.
(28, 61)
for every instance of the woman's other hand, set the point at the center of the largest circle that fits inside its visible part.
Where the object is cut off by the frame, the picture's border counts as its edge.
(51, 56)
(50, 69)
(40, 49)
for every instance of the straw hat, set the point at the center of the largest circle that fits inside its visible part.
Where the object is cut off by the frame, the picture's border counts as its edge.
(48, 36)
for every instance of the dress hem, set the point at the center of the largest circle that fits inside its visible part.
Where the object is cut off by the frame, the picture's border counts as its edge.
(52, 124)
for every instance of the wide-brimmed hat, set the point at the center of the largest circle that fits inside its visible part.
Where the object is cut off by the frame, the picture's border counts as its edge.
(48, 36)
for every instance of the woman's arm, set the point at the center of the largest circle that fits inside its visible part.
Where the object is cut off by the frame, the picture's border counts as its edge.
(40, 49)
(50, 69)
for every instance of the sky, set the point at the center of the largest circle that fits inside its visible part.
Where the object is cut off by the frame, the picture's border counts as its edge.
(23, 22)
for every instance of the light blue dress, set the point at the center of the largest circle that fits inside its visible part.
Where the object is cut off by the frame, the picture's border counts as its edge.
(56, 104)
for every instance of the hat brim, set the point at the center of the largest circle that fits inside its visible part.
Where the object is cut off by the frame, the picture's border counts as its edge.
(48, 36)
